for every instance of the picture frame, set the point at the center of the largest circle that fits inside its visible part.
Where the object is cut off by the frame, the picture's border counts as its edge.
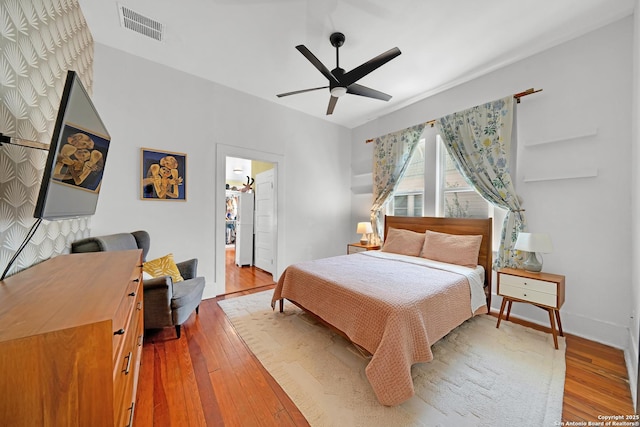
(163, 175)
(80, 158)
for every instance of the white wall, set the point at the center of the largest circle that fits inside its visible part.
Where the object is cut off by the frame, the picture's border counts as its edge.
(634, 330)
(144, 104)
(586, 90)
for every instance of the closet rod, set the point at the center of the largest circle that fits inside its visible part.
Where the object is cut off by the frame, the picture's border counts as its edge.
(516, 96)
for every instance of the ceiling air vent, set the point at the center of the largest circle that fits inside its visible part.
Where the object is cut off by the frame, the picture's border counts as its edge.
(140, 23)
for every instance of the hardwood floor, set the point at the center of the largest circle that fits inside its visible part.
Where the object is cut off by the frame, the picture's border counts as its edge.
(210, 378)
(243, 278)
(207, 378)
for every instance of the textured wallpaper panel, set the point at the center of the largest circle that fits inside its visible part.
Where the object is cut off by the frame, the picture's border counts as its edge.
(39, 41)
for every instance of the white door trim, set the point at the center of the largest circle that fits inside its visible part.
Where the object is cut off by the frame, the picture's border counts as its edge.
(222, 152)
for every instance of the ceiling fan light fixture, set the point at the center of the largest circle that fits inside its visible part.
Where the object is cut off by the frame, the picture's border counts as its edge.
(341, 82)
(338, 91)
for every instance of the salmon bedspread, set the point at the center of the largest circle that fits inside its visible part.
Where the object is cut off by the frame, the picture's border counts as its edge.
(393, 306)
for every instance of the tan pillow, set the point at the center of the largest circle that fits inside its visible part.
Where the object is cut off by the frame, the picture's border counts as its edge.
(452, 248)
(404, 242)
(164, 266)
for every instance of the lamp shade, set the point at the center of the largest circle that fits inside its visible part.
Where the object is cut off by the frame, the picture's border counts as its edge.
(534, 242)
(364, 228)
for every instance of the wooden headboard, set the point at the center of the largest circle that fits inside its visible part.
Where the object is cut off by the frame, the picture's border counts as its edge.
(482, 227)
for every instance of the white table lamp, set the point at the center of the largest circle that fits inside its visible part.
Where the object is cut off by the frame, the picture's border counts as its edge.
(533, 243)
(364, 228)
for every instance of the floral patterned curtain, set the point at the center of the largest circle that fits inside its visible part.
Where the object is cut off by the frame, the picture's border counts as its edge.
(479, 139)
(391, 155)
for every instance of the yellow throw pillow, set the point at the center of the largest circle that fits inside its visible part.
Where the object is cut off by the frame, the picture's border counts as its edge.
(164, 266)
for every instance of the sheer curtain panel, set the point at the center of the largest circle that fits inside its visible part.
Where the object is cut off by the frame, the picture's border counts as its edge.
(479, 140)
(391, 155)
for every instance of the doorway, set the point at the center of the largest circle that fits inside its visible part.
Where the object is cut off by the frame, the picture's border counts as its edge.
(226, 269)
(249, 223)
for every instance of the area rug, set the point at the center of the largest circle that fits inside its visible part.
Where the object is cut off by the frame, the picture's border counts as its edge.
(480, 375)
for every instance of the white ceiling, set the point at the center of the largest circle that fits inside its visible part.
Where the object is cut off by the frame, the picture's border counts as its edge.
(249, 45)
(237, 169)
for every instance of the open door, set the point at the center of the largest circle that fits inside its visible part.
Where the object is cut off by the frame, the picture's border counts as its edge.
(265, 215)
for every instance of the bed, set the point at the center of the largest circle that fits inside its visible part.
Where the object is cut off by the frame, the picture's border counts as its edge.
(395, 303)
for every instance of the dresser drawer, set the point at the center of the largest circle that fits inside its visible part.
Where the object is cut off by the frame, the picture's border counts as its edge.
(136, 278)
(528, 284)
(127, 365)
(131, 301)
(529, 295)
(123, 410)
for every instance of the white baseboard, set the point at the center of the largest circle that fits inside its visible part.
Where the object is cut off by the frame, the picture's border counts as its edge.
(631, 359)
(575, 324)
(596, 330)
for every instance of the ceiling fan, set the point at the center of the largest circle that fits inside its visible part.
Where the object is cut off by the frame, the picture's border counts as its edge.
(341, 82)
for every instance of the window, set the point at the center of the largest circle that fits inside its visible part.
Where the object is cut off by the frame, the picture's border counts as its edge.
(455, 197)
(408, 204)
(432, 186)
(408, 199)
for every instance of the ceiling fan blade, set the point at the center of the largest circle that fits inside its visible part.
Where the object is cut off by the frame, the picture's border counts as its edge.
(316, 63)
(332, 104)
(356, 89)
(295, 92)
(364, 69)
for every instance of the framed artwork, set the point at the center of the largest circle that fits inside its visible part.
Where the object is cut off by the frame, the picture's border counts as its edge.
(163, 175)
(80, 159)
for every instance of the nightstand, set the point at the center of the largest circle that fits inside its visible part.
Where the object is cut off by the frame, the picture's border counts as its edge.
(354, 248)
(543, 290)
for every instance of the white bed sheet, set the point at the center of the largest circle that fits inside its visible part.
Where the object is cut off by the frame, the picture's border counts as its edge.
(475, 276)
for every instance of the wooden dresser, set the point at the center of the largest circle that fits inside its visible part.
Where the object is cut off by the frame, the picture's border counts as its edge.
(71, 331)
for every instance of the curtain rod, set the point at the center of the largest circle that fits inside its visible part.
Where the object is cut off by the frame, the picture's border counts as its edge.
(516, 96)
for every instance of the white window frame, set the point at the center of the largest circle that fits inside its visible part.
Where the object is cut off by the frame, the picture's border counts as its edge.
(390, 206)
(437, 179)
(410, 203)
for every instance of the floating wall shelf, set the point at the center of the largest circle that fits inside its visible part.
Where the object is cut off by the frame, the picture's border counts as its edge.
(587, 134)
(586, 173)
(362, 183)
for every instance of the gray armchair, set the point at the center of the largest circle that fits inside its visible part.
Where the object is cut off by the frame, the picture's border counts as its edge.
(165, 303)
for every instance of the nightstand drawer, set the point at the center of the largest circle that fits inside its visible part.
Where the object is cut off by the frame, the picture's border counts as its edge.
(355, 249)
(528, 284)
(530, 295)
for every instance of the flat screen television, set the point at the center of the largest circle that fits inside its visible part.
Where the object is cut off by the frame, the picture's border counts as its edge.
(77, 155)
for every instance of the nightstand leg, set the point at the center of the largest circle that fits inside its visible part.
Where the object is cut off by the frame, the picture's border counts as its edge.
(504, 301)
(553, 327)
(559, 323)
(508, 310)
